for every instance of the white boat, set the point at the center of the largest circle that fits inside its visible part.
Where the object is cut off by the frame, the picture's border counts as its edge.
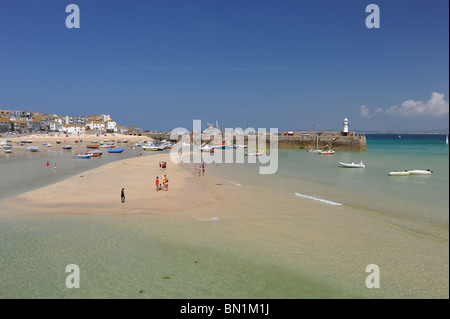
(7, 146)
(420, 172)
(241, 146)
(207, 148)
(326, 152)
(8, 151)
(399, 173)
(47, 144)
(353, 165)
(151, 148)
(32, 148)
(67, 147)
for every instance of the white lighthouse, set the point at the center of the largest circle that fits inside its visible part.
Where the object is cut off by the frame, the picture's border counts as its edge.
(345, 127)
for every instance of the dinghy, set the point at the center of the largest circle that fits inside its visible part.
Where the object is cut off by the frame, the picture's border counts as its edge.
(353, 165)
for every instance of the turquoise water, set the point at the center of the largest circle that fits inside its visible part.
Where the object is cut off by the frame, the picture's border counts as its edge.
(420, 197)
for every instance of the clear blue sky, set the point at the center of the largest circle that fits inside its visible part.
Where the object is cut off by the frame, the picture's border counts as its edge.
(262, 63)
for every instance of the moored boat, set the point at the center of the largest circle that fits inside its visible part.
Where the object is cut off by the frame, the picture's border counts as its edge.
(253, 154)
(326, 152)
(116, 150)
(32, 148)
(67, 147)
(95, 153)
(399, 173)
(420, 172)
(93, 146)
(81, 156)
(352, 165)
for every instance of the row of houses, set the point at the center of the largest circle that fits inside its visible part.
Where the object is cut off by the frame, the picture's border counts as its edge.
(32, 122)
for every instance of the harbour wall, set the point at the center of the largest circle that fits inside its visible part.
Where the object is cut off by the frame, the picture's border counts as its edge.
(303, 140)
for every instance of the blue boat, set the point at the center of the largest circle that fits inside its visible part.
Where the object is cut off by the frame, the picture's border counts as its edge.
(115, 150)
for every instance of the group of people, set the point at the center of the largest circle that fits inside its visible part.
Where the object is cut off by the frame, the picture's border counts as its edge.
(162, 165)
(48, 164)
(200, 170)
(165, 183)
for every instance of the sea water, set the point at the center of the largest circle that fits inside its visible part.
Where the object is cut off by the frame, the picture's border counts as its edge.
(320, 177)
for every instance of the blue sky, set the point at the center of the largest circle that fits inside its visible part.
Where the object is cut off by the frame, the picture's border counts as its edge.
(258, 63)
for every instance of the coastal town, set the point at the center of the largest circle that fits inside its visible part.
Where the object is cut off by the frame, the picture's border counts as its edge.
(22, 122)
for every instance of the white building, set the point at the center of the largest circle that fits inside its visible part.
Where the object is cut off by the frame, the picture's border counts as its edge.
(111, 125)
(74, 129)
(96, 126)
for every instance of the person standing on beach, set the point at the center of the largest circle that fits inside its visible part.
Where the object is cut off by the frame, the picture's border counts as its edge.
(122, 195)
(157, 183)
(47, 164)
(203, 169)
(54, 166)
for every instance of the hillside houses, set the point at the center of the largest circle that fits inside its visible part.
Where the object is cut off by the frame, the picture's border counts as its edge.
(32, 122)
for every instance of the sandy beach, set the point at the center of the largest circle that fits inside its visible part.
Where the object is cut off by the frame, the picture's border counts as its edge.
(238, 241)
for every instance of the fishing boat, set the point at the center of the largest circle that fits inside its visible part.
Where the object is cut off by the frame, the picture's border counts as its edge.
(326, 152)
(420, 172)
(117, 150)
(93, 146)
(82, 156)
(108, 144)
(32, 148)
(95, 153)
(399, 173)
(152, 148)
(353, 165)
(67, 147)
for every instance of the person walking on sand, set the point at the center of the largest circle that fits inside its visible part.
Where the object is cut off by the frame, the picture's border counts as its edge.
(47, 164)
(203, 169)
(122, 195)
(157, 183)
(54, 166)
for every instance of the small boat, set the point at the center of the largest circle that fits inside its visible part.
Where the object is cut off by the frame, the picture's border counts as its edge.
(420, 172)
(93, 146)
(253, 154)
(8, 150)
(207, 148)
(58, 142)
(20, 144)
(242, 146)
(117, 150)
(82, 156)
(47, 144)
(32, 148)
(152, 148)
(95, 153)
(221, 146)
(353, 165)
(7, 146)
(108, 144)
(399, 173)
(67, 147)
(327, 152)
